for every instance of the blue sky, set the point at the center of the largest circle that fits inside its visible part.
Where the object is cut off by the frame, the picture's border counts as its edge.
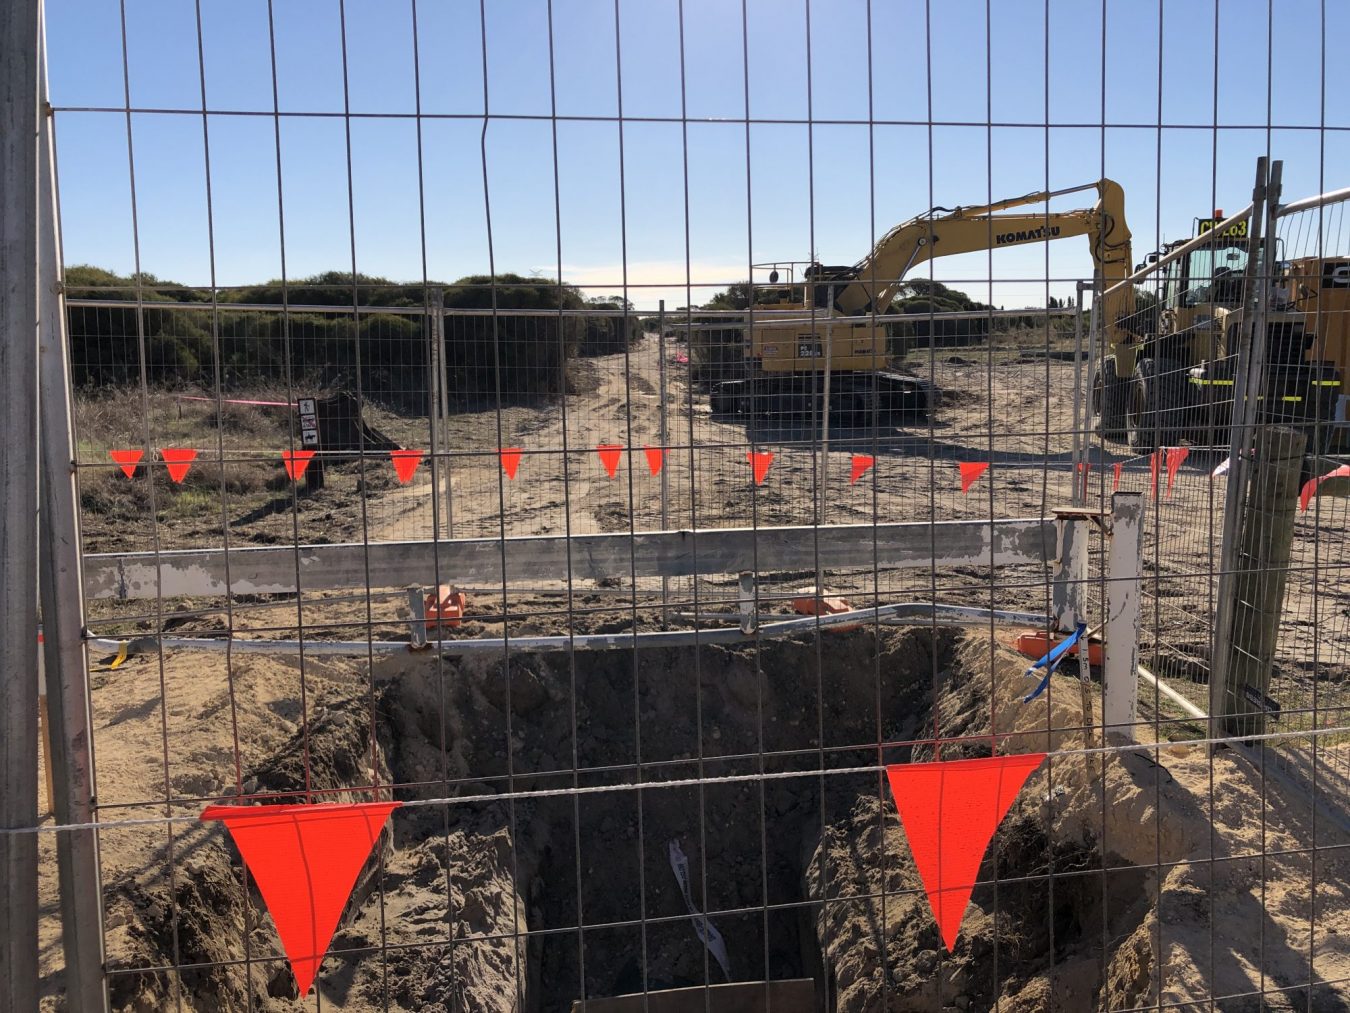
(810, 186)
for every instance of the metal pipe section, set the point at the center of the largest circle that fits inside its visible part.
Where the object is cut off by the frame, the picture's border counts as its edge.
(1079, 400)
(918, 612)
(1308, 203)
(664, 436)
(785, 317)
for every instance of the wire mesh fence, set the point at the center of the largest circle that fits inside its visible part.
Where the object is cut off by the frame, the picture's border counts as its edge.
(627, 602)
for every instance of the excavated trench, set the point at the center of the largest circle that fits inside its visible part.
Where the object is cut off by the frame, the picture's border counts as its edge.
(813, 873)
(601, 861)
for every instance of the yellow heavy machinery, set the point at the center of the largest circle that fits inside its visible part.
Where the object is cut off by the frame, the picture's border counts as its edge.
(1167, 369)
(1319, 289)
(1177, 382)
(833, 319)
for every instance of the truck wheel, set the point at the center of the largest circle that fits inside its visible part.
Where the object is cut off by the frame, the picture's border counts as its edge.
(1155, 408)
(1109, 394)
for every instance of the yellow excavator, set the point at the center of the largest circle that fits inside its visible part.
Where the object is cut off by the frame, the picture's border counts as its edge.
(834, 319)
(1166, 372)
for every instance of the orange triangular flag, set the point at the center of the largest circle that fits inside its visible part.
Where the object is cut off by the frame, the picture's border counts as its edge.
(861, 462)
(296, 462)
(950, 811)
(1115, 483)
(609, 456)
(759, 461)
(1154, 460)
(1085, 469)
(510, 460)
(177, 461)
(128, 459)
(305, 859)
(656, 457)
(405, 463)
(971, 472)
(1175, 457)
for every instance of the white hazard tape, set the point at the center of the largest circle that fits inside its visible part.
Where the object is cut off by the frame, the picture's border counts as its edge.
(707, 933)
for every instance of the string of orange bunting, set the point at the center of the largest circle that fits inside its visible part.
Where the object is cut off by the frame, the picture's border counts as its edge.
(305, 858)
(1168, 460)
(1165, 460)
(178, 461)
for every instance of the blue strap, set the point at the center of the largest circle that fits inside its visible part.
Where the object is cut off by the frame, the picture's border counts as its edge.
(1051, 661)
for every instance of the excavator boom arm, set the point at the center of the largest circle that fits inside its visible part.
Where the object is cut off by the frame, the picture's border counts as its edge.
(875, 281)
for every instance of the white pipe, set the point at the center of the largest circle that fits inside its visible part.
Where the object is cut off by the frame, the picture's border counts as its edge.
(1154, 682)
(581, 641)
(952, 615)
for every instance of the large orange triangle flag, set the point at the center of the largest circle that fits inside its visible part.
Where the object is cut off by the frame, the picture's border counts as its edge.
(950, 811)
(971, 472)
(128, 459)
(296, 462)
(656, 457)
(305, 859)
(861, 462)
(177, 461)
(510, 460)
(609, 457)
(405, 463)
(759, 461)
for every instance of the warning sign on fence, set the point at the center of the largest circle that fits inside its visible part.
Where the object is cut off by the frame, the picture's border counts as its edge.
(309, 423)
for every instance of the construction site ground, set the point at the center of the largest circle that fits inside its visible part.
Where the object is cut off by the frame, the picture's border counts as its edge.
(1188, 906)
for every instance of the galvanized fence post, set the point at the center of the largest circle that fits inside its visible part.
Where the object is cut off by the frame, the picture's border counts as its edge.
(1120, 679)
(19, 47)
(63, 617)
(1265, 536)
(1242, 425)
(442, 410)
(665, 440)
